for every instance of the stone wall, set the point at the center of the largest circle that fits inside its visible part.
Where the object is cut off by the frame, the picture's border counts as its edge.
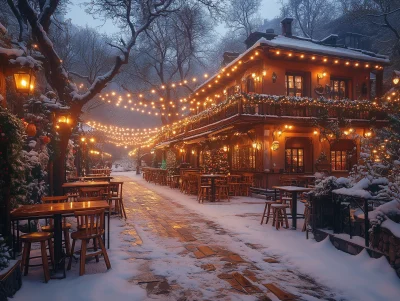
(384, 241)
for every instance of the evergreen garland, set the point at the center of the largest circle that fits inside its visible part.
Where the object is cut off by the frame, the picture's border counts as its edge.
(12, 160)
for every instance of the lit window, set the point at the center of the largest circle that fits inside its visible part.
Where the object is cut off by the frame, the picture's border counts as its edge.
(339, 89)
(339, 160)
(294, 85)
(294, 160)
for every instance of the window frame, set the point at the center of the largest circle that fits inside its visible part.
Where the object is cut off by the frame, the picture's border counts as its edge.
(346, 82)
(291, 168)
(295, 90)
(342, 163)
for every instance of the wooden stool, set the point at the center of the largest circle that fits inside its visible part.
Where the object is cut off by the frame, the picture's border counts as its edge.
(223, 192)
(269, 212)
(279, 213)
(91, 223)
(204, 192)
(33, 237)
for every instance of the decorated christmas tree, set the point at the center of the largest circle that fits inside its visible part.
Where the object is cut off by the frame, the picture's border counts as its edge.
(171, 162)
(215, 161)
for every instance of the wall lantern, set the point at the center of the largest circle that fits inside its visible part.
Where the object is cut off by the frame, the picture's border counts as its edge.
(321, 75)
(367, 134)
(274, 77)
(396, 78)
(225, 148)
(24, 81)
(275, 145)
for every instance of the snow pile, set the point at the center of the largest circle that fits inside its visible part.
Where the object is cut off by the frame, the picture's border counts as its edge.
(325, 187)
(26, 61)
(358, 190)
(386, 215)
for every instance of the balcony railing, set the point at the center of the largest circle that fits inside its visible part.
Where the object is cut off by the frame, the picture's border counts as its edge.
(278, 106)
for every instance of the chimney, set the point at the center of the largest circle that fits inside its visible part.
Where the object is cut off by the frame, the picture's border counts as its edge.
(287, 27)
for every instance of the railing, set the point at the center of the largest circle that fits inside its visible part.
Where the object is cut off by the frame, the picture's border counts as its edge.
(265, 105)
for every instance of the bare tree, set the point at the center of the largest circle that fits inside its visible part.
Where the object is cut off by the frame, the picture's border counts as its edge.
(171, 51)
(243, 15)
(134, 15)
(310, 15)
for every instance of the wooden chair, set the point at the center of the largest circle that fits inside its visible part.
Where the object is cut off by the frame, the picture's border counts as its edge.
(91, 192)
(280, 216)
(65, 226)
(37, 237)
(248, 179)
(91, 225)
(234, 185)
(115, 195)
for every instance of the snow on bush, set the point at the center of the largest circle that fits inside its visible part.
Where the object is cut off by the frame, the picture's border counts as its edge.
(387, 216)
(5, 254)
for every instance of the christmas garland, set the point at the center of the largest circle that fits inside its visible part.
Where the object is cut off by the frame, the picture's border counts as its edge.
(12, 137)
(255, 99)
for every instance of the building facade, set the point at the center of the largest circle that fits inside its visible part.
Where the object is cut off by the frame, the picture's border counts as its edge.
(285, 106)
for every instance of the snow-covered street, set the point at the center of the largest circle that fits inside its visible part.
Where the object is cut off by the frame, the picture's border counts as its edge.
(172, 248)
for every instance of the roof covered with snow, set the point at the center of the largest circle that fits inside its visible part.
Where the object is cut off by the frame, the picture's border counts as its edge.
(303, 44)
(307, 45)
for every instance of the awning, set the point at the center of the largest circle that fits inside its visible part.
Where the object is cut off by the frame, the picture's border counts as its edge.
(220, 131)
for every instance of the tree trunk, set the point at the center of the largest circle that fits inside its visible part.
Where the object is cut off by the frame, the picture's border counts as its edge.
(59, 162)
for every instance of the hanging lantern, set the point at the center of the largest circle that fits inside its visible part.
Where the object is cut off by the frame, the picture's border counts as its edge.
(396, 78)
(275, 145)
(31, 130)
(24, 81)
(45, 139)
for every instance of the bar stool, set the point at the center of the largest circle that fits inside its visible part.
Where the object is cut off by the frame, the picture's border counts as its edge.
(204, 192)
(34, 237)
(268, 210)
(223, 190)
(279, 214)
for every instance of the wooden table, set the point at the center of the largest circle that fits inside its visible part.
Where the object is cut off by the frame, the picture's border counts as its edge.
(212, 177)
(57, 211)
(293, 190)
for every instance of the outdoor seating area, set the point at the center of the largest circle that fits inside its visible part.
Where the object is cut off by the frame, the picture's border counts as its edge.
(207, 187)
(75, 225)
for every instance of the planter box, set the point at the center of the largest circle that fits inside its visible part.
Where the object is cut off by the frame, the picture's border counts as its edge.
(384, 241)
(10, 280)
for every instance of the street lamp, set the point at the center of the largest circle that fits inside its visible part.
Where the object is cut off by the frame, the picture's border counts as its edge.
(24, 81)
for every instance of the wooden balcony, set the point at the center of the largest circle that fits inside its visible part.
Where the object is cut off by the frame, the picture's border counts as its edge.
(274, 110)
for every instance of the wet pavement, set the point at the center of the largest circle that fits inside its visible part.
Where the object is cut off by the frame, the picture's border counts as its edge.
(183, 255)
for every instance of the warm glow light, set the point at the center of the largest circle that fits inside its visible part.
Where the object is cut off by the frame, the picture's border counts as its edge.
(278, 52)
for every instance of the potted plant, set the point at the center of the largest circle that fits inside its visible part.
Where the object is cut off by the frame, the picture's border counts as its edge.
(10, 272)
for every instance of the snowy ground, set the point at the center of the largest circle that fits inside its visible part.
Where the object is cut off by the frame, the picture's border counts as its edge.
(153, 256)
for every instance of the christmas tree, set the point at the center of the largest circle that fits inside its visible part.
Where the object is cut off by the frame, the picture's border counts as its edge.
(215, 161)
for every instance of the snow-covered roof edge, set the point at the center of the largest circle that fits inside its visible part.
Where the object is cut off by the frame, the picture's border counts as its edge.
(362, 54)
